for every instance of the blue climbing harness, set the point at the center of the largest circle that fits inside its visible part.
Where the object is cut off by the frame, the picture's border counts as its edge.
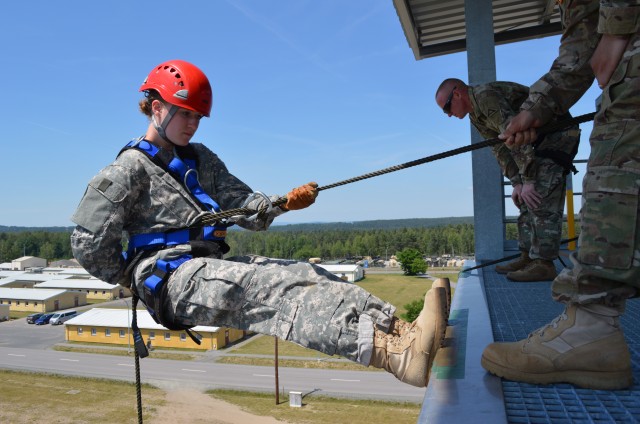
(184, 171)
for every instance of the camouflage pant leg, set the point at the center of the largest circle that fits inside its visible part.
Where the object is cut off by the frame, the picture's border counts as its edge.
(543, 225)
(608, 261)
(524, 229)
(546, 220)
(295, 301)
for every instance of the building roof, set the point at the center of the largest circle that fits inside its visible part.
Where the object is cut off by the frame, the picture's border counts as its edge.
(9, 273)
(74, 271)
(26, 258)
(29, 294)
(29, 278)
(340, 268)
(121, 318)
(435, 28)
(75, 283)
(65, 263)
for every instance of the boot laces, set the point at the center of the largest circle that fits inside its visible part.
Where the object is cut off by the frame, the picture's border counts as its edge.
(553, 324)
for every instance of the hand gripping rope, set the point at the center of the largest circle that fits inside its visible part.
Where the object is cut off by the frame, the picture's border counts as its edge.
(211, 218)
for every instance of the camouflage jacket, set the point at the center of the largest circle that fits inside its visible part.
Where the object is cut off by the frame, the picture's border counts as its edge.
(133, 196)
(493, 106)
(570, 76)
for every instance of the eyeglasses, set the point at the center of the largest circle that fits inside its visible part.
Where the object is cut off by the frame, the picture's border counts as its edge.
(447, 105)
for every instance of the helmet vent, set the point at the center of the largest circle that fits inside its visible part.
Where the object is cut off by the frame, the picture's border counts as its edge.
(182, 94)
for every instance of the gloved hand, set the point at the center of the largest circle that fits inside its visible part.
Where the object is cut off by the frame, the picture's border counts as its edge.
(302, 197)
(530, 196)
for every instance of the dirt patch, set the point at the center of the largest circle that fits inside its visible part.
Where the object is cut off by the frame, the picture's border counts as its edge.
(189, 406)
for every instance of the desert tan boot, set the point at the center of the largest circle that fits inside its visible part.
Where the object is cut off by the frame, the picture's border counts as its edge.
(583, 346)
(514, 265)
(408, 349)
(445, 283)
(537, 270)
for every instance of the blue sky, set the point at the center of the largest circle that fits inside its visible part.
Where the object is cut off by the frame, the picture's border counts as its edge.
(303, 91)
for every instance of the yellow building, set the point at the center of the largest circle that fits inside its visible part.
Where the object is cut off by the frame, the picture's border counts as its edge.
(102, 325)
(95, 289)
(44, 300)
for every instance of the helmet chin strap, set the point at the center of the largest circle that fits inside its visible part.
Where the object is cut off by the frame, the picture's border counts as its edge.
(165, 122)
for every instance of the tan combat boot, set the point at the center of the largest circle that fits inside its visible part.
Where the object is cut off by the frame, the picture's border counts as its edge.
(445, 283)
(537, 270)
(407, 350)
(514, 265)
(583, 346)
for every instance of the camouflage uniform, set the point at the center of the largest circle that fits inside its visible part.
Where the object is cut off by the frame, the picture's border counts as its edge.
(295, 301)
(539, 229)
(607, 265)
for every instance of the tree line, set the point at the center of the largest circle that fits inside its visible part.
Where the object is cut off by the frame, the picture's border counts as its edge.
(290, 243)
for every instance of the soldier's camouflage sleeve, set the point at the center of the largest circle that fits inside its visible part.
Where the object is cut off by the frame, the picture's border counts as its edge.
(493, 107)
(96, 242)
(571, 75)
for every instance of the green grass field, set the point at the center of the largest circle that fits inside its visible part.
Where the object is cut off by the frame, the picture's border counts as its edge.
(35, 397)
(323, 410)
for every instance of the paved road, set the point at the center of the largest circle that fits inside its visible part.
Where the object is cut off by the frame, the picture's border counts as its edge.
(27, 347)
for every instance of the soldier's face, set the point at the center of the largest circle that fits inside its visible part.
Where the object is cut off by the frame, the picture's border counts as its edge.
(451, 103)
(183, 126)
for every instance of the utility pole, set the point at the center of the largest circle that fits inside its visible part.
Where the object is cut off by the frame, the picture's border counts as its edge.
(275, 338)
(128, 327)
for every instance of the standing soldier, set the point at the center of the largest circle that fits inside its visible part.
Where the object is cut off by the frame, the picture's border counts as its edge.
(537, 175)
(585, 344)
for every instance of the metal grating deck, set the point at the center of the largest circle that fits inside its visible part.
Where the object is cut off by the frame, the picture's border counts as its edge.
(515, 310)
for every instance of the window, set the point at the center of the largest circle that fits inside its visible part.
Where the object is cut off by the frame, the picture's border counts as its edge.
(17, 302)
(26, 303)
(152, 335)
(167, 336)
(34, 303)
(107, 332)
(79, 331)
(93, 332)
(122, 334)
(183, 337)
(104, 292)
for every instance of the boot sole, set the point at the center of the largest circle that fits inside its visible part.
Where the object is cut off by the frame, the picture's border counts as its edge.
(605, 380)
(440, 327)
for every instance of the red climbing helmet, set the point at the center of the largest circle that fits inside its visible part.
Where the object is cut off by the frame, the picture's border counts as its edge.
(182, 84)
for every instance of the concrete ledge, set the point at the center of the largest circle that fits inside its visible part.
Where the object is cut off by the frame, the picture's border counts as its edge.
(460, 390)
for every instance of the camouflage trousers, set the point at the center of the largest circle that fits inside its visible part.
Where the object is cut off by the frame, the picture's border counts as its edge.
(295, 301)
(607, 266)
(540, 229)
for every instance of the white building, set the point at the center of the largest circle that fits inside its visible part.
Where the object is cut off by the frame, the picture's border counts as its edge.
(25, 262)
(350, 273)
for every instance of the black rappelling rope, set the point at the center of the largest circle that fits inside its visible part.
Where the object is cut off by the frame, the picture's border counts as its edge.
(506, 258)
(211, 218)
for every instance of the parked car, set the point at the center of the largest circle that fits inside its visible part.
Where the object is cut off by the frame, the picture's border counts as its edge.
(31, 319)
(60, 317)
(44, 319)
